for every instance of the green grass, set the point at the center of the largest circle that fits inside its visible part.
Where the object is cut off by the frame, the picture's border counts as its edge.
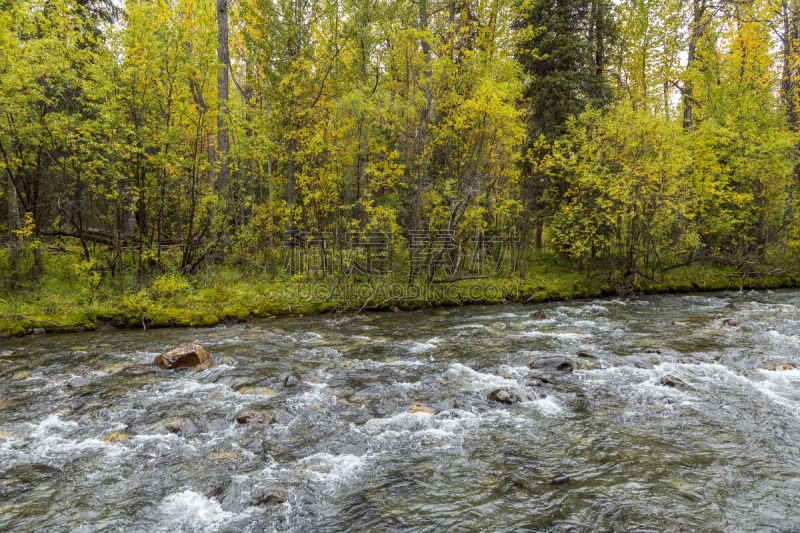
(64, 300)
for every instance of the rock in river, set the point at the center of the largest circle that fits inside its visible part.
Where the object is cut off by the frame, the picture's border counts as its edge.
(537, 380)
(777, 366)
(272, 496)
(294, 380)
(672, 381)
(260, 417)
(552, 364)
(78, 382)
(191, 356)
(540, 315)
(503, 396)
(114, 437)
(420, 408)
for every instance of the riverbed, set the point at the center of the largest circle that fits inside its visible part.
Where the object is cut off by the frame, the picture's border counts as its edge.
(681, 413)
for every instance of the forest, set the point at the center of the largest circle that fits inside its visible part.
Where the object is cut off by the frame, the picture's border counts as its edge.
(158, 148)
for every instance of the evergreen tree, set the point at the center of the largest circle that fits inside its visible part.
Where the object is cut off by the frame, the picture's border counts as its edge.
(564, 58)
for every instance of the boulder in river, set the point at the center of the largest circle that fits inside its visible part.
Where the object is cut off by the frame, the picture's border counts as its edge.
(732, 322)
(552, 364)
(540, 315)
(294, 380)
(503, 396)
(272, 496)
(191, 356)
(258, 417)
(672, 381)
(586, 354)
(420, 408)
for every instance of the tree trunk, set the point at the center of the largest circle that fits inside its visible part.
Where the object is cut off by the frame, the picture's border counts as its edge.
(13, 224)
(695, 32)
(290, 170)
(223, 142)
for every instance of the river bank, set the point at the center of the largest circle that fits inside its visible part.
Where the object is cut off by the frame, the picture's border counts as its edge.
(64, 301)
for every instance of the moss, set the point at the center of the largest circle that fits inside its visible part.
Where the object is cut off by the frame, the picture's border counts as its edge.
(208, 320)
(236, 312)
(182, 322)
(161, 321)
(58, 302)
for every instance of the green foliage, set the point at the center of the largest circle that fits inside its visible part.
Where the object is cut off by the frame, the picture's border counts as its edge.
(627, 205)
(169, 286)
(574, 120)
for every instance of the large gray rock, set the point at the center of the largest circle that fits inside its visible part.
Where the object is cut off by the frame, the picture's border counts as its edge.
(503, 396)
(552, 364)
(272, 496)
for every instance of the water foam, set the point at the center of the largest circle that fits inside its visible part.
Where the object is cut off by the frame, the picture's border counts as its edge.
(191, 510)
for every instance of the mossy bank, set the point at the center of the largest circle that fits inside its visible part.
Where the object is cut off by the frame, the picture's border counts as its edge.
(60, 303)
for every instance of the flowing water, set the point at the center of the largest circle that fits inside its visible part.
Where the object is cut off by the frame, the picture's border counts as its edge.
(606, 447)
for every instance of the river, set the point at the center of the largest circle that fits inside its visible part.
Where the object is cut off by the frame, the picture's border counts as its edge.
(673, 420)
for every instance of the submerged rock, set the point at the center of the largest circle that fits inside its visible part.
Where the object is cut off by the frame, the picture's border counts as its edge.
(272, 496)
(19, 375)
(225, 456)
(586, 354)
(732, 322)
(777, 366)
(537, 380)
(260, 417)
(672, 381)
(640, 361)
(191, 356)
(552, 364)
(294, 380)
(114, 437)
(6, 366)
(540, 315)
(78, 382)
(503, 396)
(178, 426)
(261, 391)
(588, 364)
(136, 370)
(420, 408)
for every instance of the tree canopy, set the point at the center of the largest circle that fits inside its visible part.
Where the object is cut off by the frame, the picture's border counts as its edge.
(631, 137)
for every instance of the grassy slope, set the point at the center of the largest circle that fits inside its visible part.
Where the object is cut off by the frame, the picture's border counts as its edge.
(62, 300)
